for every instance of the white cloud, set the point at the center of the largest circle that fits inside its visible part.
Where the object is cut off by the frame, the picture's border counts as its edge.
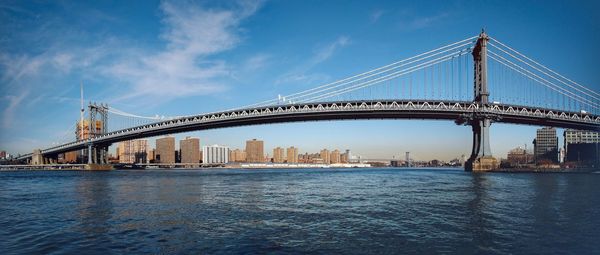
(13, 104)
(423, 21)
(184, 68)
(300, 73)
(376, 15)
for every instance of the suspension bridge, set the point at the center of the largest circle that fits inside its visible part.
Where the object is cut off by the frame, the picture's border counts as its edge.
(475, 82)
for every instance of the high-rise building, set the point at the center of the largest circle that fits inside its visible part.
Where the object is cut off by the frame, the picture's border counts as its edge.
(292, 155)
(237, 155)
(215, 154)
(577, 136)
(334, 157)
(85, 131)
(165, 150)
(255, 151)
(2, 154)
(133, 151)
(325, 156)
(151, 155)
(278, 155)
(190, 150)
(344, 158)
(581, 146)
(546, 145)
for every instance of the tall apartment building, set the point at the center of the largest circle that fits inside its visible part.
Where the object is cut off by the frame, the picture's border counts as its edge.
(572, 136)
(165, 150)
(85, 131)
(546, 144)
(215, 154)
(581, 145)
(255, 151)
(133, 151)
(335, 157)
(237, 155)
(278, 155)
(190, 150)
(344, 158)
(325, 156)
(292, 155)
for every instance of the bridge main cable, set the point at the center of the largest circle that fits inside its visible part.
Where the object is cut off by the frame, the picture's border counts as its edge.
(543, 81)
(387, 77)
(370, 73)
(549, 75)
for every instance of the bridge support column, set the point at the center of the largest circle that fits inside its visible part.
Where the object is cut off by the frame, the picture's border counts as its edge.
(481, 158)
(90, 155)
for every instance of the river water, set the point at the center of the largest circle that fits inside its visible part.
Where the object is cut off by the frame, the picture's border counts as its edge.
(317, 211)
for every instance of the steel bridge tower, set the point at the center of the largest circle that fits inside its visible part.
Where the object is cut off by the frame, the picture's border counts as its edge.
(481, 158)
(97, 126)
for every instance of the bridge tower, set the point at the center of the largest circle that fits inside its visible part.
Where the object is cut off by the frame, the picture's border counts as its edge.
(98, 124)
(481, 158)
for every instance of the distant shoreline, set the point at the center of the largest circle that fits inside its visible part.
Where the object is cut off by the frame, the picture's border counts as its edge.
(314, 166)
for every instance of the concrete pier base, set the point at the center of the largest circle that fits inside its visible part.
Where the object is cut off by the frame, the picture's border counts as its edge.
(98, 167)
(481, 164)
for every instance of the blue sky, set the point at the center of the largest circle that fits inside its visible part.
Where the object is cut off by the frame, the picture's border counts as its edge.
(184, 57)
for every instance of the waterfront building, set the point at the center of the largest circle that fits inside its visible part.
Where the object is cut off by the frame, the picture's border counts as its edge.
(325, 156)
(255, 151)
(237, 155)
(2, 154)
(292, 155)
(151, 155)
(344, 158)
(583, 154)
(215, 154)
(350, 158)
(519, 156)
(133, 151)
(69, 157)
(278, 155)
(572, 136)
(165, 150)
(190, 150)
(546, 145)
(335, 157)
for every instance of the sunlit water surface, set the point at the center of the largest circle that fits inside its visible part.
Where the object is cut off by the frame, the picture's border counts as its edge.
(320, 211)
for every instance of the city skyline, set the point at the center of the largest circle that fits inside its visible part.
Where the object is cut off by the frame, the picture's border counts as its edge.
(242, 69)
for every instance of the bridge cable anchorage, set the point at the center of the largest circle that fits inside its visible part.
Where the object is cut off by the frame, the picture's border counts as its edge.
(549, 75)
(544, 67)
(377, 71)
(385, 78)
(543, 81)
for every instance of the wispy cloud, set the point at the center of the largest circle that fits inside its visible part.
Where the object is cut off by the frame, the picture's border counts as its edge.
(41, 65)
(9, 112)
(421, 22)
(301, 72)
(184, 67)
(376, 15)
